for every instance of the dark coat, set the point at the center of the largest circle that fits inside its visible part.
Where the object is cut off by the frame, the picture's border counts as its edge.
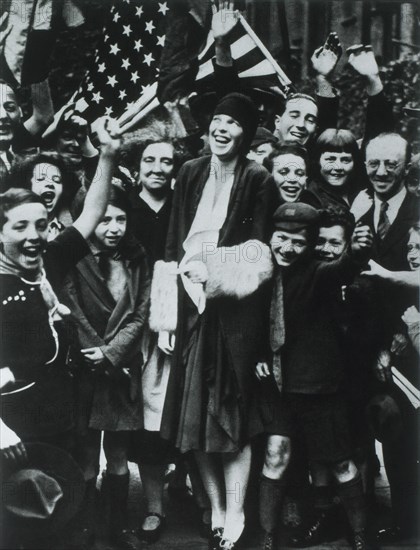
(249, 216)
(116, 328)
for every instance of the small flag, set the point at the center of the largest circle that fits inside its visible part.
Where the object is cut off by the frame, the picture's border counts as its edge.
(255, 65)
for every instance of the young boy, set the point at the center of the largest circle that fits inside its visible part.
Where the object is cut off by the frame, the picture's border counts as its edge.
(301, 389)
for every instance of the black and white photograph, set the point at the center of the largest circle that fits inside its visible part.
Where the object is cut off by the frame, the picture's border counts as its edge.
(209, 274)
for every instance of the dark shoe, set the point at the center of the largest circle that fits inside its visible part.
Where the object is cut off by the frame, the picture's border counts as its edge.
(126, 539)
(215, 539)
(269, 542)
(321, 530)
(205, 522)
(360, 542)
(152, 535)
(389, 535)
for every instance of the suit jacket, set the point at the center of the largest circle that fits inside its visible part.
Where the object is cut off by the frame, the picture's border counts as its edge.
(390, 301)
(391, 253)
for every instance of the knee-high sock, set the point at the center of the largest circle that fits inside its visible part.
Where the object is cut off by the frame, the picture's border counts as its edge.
(354, 502)
(118, 493)
(271, 498)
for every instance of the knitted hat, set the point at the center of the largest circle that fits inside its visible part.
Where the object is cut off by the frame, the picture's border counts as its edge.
(243, 110)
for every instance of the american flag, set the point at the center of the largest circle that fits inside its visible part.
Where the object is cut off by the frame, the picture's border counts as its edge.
(126, 62)
(255, 65)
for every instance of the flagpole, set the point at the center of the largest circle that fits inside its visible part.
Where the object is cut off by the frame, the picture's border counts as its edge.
(282, 75)
(128, 125)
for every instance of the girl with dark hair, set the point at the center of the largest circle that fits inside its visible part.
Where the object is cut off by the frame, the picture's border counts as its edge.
(108, 294)
(339, 173)
(288, 166)
(218, 224)
(49, 175)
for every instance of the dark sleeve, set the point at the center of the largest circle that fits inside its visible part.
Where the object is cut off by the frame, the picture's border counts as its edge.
(63, 253)
(309, 197)
(267, 200)
(379, 117)
(327, 112)
(226, 80)
(127, 342)
(24, 140)
(171, 248)
(339, 272)
(87, 336)
(90, 165)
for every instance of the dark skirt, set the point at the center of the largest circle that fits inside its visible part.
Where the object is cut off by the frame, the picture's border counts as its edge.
(213, 416)
(107, 402)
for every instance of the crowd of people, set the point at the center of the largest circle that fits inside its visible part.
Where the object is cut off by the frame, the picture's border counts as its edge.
(243, 305)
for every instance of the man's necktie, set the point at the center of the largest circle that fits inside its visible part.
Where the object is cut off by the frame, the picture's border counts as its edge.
(277, 332)
(383, 224)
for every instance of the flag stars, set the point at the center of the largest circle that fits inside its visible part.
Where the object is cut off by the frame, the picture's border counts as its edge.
(145, 88)
(161, 40)
(137, 45)
(139, 11)
(106, 37)
(115, 49)
(163, 7)
(148, 59)
(97, 97)
(127, 30)
(134, 77)
(126, 63)
(90, 87)
(112, 81)
(116, 17)
(122, 94)
(108, 111)
(101, 68)
(149, 27)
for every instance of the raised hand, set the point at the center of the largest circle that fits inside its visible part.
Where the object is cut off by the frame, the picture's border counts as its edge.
(362, 59)
(224, 19)
(325, 58)
(411, 316)
(262, 370)
(362, 238)
(109, 134)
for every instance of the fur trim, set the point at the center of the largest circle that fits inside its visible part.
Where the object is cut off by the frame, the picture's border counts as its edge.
(164, 297)
(239, 270)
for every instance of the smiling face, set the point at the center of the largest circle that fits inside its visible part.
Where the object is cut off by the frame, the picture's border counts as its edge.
(46, 182)
(68, 144)
(288, 246)
(157, 167)
(336, 168)
(24, 235)
(225, 137)
(298, 122)
(413, 250)
(386, 165)
(331, 243)
(111, 229)
(289, 173)
(10, 116)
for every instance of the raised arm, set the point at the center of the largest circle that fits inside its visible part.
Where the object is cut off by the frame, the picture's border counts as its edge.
(410, 279)
(379, 117)
(324, 61)
(42, 108)
(97, 196)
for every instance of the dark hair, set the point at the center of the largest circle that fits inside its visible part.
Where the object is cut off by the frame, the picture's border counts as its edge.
(280, 150)
(118, 198)
(341, 141)
(297, 95)
(133, 149)
(14, 197)
(334, 214)
(22, 172)
(415, 228)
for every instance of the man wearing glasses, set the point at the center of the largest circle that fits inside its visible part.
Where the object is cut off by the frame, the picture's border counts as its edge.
(393, 210)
